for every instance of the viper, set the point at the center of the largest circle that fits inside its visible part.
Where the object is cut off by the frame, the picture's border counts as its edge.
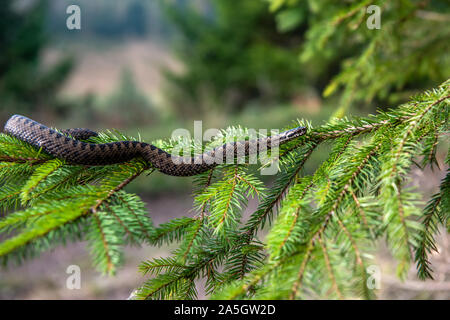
(69, 146)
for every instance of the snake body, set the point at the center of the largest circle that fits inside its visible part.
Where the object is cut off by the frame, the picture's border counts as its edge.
(68, 145)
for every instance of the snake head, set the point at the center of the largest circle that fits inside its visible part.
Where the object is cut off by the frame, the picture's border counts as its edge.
(294, 133)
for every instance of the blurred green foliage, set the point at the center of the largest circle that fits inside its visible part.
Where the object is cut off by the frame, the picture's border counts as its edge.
(26, 84)
(232, 54)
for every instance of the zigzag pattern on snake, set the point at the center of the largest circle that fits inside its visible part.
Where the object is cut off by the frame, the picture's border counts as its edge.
(67, 146)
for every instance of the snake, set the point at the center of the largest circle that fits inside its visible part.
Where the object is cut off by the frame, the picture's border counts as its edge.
(72, 146)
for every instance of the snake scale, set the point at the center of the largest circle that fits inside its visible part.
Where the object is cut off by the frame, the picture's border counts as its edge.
(68, 145)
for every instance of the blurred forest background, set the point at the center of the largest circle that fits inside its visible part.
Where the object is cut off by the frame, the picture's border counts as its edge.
(148, 67)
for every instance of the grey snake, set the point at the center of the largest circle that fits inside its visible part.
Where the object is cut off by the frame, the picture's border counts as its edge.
(68, 145)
